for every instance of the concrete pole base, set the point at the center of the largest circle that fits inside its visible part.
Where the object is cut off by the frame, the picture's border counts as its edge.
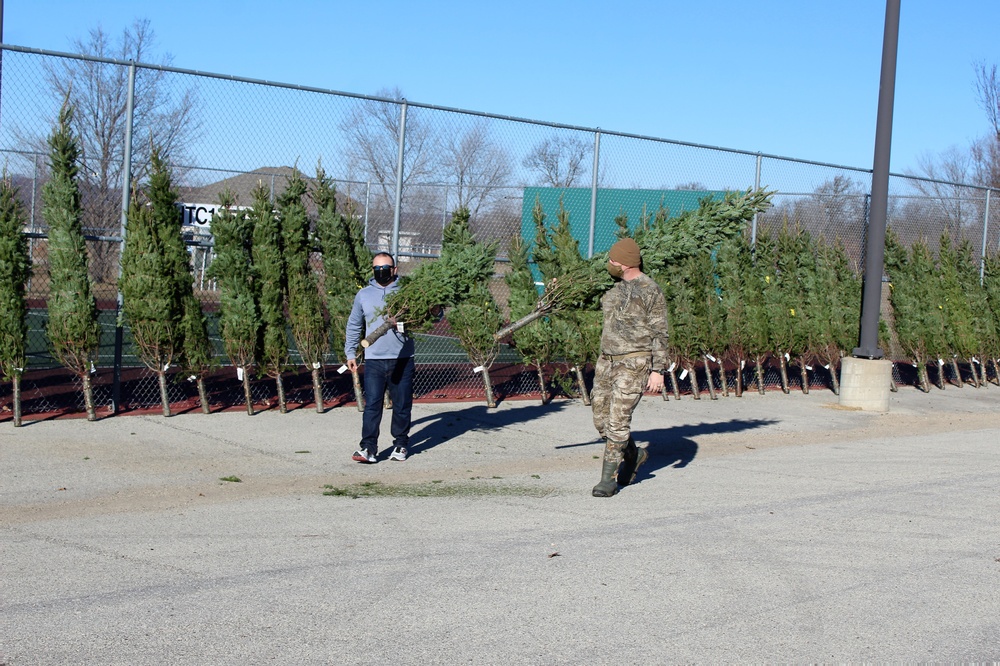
(864, 383)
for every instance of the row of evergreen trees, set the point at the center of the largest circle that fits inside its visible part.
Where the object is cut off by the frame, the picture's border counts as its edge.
(790, 296)
(945, 311)
(267, 282)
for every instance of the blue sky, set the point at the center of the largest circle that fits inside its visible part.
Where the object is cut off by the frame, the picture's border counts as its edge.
(791, 78)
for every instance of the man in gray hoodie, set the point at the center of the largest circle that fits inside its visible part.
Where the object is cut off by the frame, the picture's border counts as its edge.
(388, 364)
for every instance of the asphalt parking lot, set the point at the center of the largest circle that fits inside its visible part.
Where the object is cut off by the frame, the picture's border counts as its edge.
(765, 528)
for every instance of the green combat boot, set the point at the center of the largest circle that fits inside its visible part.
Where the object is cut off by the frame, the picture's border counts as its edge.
(632, 459)
(612, 459)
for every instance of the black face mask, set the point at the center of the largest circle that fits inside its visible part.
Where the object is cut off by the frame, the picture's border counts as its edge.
(383, 275)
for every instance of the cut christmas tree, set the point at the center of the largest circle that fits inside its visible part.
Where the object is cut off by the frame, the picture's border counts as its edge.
(15, 268)
(305, 307)
(474, 318)
(239, 313)
(192, 343)
(271, 286)
(72, 327)
(434, 285)
(149, 298)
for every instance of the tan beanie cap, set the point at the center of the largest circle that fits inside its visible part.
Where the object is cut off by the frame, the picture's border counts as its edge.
(626, 252)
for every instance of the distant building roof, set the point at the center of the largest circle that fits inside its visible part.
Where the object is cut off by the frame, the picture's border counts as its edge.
(242, 186)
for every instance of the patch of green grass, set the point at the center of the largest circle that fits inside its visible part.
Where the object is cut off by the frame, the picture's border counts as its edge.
(231, 479)
(432, 489)
(535, 476)
(303, 451)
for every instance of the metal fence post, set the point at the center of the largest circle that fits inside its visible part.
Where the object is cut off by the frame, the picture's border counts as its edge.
(399, 181)
(593, 193)
(34, 226)
(756, 186)
(368, 194)
(986, 226)
(116, 387)
(34, 188)
(444, 210)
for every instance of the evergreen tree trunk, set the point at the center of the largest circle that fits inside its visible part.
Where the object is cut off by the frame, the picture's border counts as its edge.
(892, 384)
(387, 400)
(584, 393)
(996, 370)
(784, 373)
(246, 392)
(958, 372)
(975, 374)
(664, 392)
(925, 382)
(739, 377)
(760, 376)
(940, 384)
(88, 397)
(359, 395)
(203, 396)
(723, 380)
(835, 380)
(674, 384)
(804, 375)
(161, 377)
(491, 401)
(317, 391)
(542, 388)
(16, 386)
(695, 389)
(708, 378)
(519, 324)
(280, 384)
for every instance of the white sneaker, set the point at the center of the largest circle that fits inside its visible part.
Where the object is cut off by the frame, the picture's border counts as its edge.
(398, 453)
(364, 456)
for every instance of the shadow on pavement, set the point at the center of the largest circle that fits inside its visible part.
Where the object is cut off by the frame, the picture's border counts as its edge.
(429, 431)
(673, 447)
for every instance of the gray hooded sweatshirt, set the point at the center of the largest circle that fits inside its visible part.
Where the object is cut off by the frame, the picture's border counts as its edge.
(366, 317)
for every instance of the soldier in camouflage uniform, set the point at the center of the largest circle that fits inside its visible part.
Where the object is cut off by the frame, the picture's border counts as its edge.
(633, 355)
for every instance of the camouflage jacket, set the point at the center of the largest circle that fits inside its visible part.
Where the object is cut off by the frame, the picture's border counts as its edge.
(635, 319)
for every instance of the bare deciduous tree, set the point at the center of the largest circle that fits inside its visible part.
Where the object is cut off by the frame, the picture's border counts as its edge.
(987, 88)
(985, 151)
(477, 166)
(373, 129)
(947, 202)
(840, 203)
(98, 92)
(559, 161)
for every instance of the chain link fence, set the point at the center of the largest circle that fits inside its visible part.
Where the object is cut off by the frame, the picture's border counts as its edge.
(401, 168)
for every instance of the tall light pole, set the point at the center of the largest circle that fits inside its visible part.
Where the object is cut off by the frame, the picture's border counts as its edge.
(871, 301)
(865, 376)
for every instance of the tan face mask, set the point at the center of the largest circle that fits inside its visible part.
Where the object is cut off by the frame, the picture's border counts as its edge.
(615, 270)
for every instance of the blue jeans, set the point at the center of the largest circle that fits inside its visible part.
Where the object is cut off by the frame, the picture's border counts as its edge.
(396, 375)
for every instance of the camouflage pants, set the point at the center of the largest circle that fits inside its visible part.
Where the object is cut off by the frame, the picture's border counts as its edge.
(618, 387)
